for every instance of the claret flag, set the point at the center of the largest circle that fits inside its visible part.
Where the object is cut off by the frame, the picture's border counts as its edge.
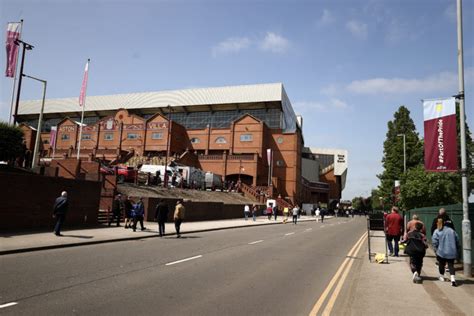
(440, 135)
(13, 33)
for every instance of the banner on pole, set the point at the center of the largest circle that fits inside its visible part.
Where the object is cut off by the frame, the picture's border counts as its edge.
(13, 33)
(82, 96)
(52, 136)
(440, 135)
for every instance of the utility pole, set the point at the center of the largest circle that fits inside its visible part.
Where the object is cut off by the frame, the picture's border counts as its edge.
(466, 224)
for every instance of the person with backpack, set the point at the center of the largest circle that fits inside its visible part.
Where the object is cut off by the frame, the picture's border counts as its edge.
(138, 214)
(446, 244)
(416, 249)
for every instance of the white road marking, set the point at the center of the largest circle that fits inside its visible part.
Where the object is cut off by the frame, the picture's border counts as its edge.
(8, 304)
(289, 234)
(183, 260)
(307, 230)
(255, 242)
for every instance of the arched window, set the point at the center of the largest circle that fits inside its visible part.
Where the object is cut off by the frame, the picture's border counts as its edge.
(195, 140)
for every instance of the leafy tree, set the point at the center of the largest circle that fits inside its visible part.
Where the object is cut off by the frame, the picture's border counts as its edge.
(393, 152)
(357, 203)
(421, 188)
(469, 148)
(11, 142)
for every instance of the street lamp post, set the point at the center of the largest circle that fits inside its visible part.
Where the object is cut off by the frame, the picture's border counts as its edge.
(34, 163)
(26, 47)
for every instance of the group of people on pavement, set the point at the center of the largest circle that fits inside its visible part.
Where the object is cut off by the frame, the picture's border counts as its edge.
(135, 213)
(272, 211)
(444, 239)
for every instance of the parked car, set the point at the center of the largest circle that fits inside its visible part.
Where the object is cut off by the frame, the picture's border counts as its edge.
(126, 174)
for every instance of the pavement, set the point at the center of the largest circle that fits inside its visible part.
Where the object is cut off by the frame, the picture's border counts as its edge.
(388, 288)
(34, 241)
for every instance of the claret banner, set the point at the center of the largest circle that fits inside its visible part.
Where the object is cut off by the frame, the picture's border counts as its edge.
(440, 135)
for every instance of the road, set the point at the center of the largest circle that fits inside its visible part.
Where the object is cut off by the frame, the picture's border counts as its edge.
(277, 270)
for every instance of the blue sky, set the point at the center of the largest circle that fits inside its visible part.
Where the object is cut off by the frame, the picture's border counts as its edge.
(347, 65)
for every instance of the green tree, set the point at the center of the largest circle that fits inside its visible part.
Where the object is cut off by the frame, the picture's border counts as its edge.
(11, 142)
(421, 188)
(393, 152)
(357, 203)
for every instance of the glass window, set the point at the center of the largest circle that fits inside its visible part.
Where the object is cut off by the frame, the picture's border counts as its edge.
(132, 136)
(108, 136)
(220, 140)
(195, 140)
(156, 135)
(86, 136)
(246, 138)
(64, 136)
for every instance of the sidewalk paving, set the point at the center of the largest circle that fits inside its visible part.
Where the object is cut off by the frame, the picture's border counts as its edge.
(389, 289)
(31, 241)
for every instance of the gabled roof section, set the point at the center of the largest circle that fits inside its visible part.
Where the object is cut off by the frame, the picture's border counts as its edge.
(175, 98)
(67, 118)
(245, 116)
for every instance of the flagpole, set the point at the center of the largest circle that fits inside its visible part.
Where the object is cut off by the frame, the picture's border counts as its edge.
(14, 79)
(82, 115)
(466, 224)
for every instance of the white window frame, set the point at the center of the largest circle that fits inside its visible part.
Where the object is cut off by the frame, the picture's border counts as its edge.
(246, 137)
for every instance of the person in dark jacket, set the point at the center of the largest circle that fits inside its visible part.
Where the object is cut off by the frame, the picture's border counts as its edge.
(446, 220)
(117, 207)
(60, 209)
(128, 207)
(138, 214)
(416, 249)
(161, 215)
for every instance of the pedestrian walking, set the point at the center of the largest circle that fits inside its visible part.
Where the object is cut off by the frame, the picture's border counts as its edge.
(446, 245)
(254, 212)
(275, 211)
(178, 217)
(323, 212)
(295, 213)
(393, 230)
(446, 220)
(161, 215)
(246, 211)
(138, 214)
(60, 208)
(269, 211)
(128, 207)
(286, 214)
(416, 249)
(117, 207)
(317, 213)
(411, 226)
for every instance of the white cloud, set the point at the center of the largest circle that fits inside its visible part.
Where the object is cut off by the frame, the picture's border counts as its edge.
(450, 13)
(274, 43)
(441, 83)
(311, 106)
(327, 18)
(358, 29)
(231, 45)
(330, 90)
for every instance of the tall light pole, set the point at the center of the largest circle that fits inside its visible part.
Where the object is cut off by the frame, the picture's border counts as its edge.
(466, 224)
(34, 163)
(26, 47)
(404, 152)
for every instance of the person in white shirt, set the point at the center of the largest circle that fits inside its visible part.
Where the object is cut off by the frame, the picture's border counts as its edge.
(318, 212)
(295, 212)
(246, 211)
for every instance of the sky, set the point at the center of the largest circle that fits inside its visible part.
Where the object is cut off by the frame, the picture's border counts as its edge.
(346, 65)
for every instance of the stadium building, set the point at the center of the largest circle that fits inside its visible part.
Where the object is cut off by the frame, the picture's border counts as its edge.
(225, 130)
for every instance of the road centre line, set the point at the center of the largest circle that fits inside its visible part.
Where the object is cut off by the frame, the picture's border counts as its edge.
(183, 260)
(288, 234)
(337, 290)
(8, 304)
(255, 242)
(323, 296)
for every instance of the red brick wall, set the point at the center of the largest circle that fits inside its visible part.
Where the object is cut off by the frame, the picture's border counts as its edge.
(29, 201)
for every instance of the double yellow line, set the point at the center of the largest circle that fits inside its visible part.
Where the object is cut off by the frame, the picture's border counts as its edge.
(344, 270)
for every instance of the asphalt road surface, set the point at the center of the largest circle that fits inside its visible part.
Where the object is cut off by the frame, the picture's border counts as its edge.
(265, 270)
